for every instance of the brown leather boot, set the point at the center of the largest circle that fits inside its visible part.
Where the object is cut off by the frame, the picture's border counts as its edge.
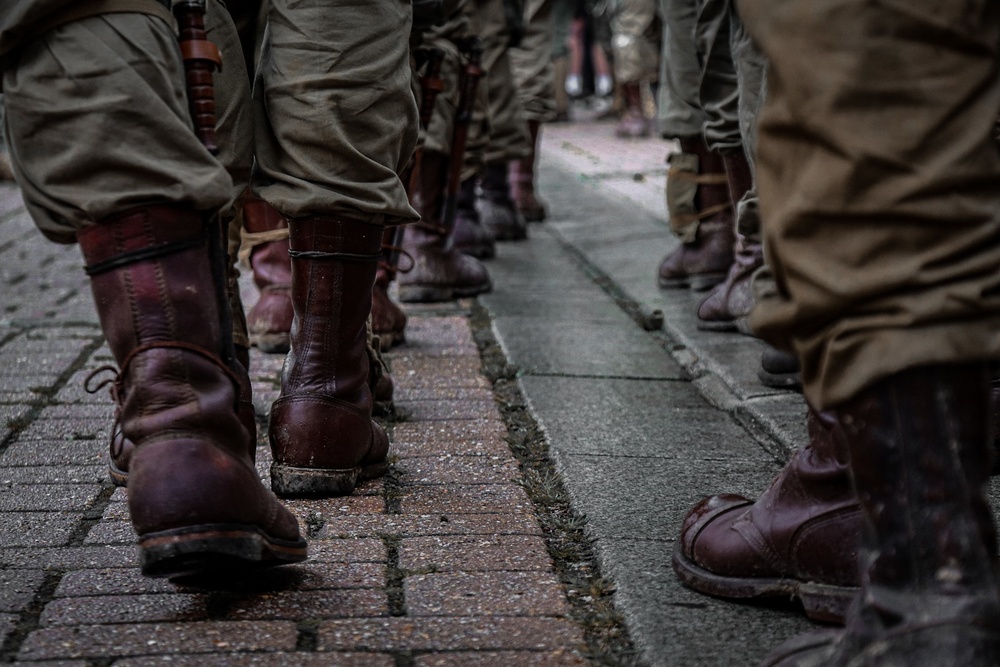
(633, 123)
(496, 209)
(440, 271)
(121, 448)
(920, 460)
(270, 319)
(798, 540)
(322, 434)
(698, 190)
(470, 235)
(196, 501)
(779, 369)
(729, 304)
(388, 319)
(521, 176)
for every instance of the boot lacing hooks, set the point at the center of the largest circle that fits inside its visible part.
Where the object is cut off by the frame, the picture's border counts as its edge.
(117, 382)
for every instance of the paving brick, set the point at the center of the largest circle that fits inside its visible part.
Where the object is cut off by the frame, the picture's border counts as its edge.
(47, 497)
(432, 524)
(405, 393)
(297, 605)
(70, 558)
(56, 451)
(83, 641)
(418, 372)
(519, 658)
(13, 361)
(18, 588)
(481, 593)
(474, 437)
(466, 554)
(36, 529)
(332, 507)
(424, 334)
(111, 532)
(458, 470)
(466, 499)
(441, 410)
(484, 633)
(111, 581)
(54, 474)
(275, 659)
(301, 577)
(168, 607)
(68, 429)
(363, 550)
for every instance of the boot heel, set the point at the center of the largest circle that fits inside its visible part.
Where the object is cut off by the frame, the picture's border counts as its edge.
(425, 294)
(702, 282)
(290, 481)
(209, 549)
(271, 343)
(824, 603)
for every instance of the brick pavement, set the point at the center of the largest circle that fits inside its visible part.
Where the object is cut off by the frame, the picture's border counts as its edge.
(441, 563)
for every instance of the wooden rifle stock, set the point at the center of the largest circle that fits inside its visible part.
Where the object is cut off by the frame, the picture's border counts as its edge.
(201, 58)
(471, 74)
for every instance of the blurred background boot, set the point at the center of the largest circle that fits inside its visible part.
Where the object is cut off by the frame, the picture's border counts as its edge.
(698, 199)
(270, 319)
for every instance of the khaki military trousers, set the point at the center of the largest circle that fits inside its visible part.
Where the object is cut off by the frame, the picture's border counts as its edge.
(335, 117)
(98, 124)
(504, 116)
(633, 43)
(531, 62)
(878, 186)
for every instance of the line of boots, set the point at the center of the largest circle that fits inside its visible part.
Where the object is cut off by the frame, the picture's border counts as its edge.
(886, 507)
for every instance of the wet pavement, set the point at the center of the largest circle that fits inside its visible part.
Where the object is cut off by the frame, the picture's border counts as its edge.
(449, 560)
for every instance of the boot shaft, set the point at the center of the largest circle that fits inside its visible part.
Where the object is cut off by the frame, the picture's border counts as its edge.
(268, 258)
(920, 456)
(333, 271)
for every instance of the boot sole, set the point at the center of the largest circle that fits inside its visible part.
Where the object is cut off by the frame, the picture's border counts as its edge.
(215, 548)
(717, 325)
(780, 380)
(292, 482)
(696, 283)
(430, 294)
(118, 477)
(823, 603)
(274, 343)
(479, 251)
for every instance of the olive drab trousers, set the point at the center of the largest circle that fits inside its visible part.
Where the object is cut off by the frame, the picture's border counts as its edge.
(884, 235)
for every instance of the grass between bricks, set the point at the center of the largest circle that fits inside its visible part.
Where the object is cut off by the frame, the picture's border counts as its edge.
(589, 593)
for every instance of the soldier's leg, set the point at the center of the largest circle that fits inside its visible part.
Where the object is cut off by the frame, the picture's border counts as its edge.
(730, 92)
(533, 73)
(506, 123)
(110, 159)
(635, 58)
(699, 207)
(442, 271)
(336, 125)
(878, 196)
